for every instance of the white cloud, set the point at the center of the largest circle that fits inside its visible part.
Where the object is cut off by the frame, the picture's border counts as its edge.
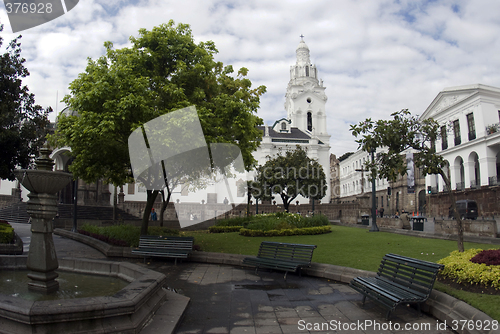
(374, 56)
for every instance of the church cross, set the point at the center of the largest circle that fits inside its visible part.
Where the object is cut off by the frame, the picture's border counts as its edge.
(302, 37)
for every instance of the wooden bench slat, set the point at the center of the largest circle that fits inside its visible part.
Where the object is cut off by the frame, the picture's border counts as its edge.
(399, 280)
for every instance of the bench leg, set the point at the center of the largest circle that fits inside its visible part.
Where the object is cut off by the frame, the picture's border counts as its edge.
(388, 315)
(364, 299)
(175, 263)
(286, 272)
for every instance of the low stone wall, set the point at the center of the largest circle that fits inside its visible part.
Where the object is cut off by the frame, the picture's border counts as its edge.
(478, 228)
(15, 248)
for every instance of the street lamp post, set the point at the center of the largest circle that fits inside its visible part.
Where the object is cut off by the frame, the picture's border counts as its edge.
(374, 212)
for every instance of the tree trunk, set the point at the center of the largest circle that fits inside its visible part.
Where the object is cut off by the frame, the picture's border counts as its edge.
(164, 205)
(460, 225)
(147, 211)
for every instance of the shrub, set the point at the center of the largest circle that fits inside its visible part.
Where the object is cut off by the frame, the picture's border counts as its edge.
(6, 232)
(158, 230)
(459, 268)
(490, 257)
(285, 232)
(124, 235)
(235, 221)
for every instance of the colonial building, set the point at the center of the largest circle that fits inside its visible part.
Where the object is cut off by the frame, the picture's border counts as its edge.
(394, 197)
(470, 143)
(305, 124)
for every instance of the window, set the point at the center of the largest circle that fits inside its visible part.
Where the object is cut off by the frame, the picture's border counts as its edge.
(471, 126)
(283, 126)
(309, 121)
(307, 71)
(456, 131)
(444, 138)
(131, 188)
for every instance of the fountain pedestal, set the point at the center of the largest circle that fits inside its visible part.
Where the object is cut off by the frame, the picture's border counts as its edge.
(42, 259)
(43, 184)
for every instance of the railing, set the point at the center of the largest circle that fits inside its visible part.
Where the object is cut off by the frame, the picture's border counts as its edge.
(474, 184)
(434, 190)
(460, 185)
(446, 189)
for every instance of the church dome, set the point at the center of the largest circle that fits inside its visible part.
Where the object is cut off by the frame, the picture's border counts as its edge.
(303, 53)
(302, 45)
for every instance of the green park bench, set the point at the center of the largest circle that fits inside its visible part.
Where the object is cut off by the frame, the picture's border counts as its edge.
(164, 246)
(399, 280)
(282, 256)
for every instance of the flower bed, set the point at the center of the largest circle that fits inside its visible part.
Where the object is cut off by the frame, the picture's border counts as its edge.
(460, 268)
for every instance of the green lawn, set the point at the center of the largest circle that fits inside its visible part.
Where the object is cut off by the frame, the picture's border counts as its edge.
(358, 248)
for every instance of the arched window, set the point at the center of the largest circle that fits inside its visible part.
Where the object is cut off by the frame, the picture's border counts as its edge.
(307, 71)
(283, 126)
(309, 121)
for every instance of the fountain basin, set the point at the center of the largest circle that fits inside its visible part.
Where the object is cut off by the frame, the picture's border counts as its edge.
(42, 181)
(125, 312)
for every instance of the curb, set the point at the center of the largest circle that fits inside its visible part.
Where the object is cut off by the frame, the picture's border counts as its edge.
(440, 305)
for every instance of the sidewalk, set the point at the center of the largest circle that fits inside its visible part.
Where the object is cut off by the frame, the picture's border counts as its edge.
(229, 299)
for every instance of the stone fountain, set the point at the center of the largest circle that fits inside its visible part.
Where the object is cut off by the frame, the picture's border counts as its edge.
(43, 184)
(126, 311)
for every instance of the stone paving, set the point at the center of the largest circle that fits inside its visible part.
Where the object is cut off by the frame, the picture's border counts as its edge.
(228, 299)
(232, 299)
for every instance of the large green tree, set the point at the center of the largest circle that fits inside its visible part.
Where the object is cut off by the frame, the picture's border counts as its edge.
(405, 132)
(289, 175)
(22, 122)
(164, 70)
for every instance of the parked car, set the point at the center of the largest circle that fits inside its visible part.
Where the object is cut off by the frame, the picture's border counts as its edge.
(467, 209)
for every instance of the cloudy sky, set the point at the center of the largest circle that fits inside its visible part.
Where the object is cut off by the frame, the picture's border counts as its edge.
(374, 56)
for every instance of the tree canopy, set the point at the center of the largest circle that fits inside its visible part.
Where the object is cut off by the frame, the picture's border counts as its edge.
(405, 132)
(164, 70)
(289, 175)
(22, 122)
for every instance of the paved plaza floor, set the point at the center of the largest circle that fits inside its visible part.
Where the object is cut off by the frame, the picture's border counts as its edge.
(231, 299)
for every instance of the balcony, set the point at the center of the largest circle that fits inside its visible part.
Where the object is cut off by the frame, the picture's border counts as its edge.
(460, 186)
(492, 128)
(493, 181)
(474, 184)
(434, 190)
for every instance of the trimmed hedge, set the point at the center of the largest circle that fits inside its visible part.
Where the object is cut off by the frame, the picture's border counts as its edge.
(6, 232)
(458, 266)
(285, 232)
(224, 229)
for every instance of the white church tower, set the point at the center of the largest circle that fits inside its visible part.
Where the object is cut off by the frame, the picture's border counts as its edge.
(305, 124)
(305, 96)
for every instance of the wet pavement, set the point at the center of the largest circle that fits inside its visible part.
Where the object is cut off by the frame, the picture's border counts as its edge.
(233, 299)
